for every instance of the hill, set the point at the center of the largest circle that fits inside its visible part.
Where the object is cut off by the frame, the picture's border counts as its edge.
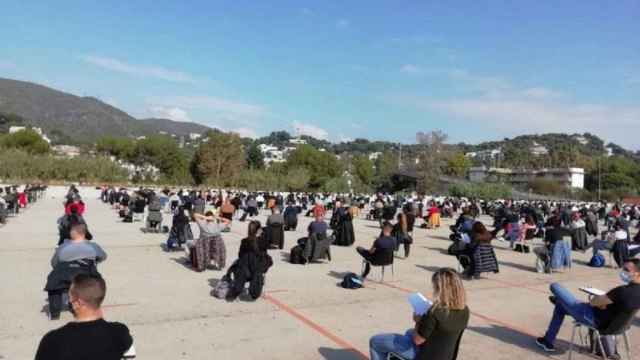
(155, 125)
(66, 116)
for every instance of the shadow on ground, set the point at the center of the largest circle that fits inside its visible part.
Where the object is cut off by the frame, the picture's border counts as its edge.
(429, 268)
(515, 338)
(339, 354)
(441, 251)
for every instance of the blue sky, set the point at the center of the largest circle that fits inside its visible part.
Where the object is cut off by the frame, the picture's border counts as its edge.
(478, 70)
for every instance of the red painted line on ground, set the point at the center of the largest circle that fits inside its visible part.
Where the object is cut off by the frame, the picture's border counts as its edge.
(319, 329)
(276, 291)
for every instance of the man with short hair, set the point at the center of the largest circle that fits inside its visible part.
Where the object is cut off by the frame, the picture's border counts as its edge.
(89, 336)
(601, 310)
(75, 255)
(385, 242)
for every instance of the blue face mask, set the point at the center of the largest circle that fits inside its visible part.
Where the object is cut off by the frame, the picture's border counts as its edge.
(625, 276)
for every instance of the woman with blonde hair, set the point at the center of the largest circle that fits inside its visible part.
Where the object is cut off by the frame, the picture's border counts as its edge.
(437, 333)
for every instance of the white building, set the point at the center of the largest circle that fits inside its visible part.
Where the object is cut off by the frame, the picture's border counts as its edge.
(538, 149)
(569, 177)
(194, 136)
(484, 154)
(374, 156)
(298, 141)
(66, 150)
(581, 139)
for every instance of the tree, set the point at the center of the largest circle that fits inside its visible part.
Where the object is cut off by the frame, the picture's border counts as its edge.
(458, 165)
(297, 179)
(255, 158)
(386, 165)
(27, 140)
(164, 153)
(120, 147)
(432, 159)
(218, 161)
(321, 165)
(363, 169)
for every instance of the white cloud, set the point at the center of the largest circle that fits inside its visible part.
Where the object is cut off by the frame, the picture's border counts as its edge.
(507, 109)
(150, 71)
(168, 112)
(245, 132)
(411, 69)
(310, 130)
(216, 109)
(343, 24)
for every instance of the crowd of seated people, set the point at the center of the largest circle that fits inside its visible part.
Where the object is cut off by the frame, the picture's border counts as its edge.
(14, 198)
(436, 334)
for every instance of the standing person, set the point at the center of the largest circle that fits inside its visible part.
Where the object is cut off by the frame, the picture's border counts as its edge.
(401, 233)
(437, 333)
(89, 336)
(342, 226)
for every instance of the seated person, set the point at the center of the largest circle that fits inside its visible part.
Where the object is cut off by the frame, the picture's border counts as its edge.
(275, 217)
(84, 255)
(385, 243)
(66, 222)
(556, 253)
(436, 334)
(318, 226)
(291, 217)
(600, 311)
(89, 336)
(251, 266)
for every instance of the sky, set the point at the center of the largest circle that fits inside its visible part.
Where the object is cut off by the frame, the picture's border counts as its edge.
(339, 70)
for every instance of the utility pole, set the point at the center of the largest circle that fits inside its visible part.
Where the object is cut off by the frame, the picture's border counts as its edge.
(599, 178)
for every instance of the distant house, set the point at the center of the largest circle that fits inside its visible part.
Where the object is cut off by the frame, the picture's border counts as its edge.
(569, 177)
(194, 136)
(66, 150)
(581, 139)
(298, 141)
(484, 154)
(374, 156)
(538, 150)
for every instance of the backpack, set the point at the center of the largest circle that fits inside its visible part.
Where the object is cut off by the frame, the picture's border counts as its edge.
(351, 281)
(221, 289)
(296, 255)
(597, 261)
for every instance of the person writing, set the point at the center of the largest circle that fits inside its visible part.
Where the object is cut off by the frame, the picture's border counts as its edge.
(600, 311)
(89, 336)
(437, 333)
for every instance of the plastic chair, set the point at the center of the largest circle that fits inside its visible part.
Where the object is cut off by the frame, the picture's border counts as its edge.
(619, 327)
(382, 260)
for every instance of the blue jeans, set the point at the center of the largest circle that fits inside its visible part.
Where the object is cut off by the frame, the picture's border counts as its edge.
(567, 304)
(561, 254)
(382, 344)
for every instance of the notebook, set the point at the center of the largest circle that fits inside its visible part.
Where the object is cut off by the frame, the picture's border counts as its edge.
(593, 291)
(419, 303)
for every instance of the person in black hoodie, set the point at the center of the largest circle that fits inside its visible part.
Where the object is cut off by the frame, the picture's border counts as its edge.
(251, 266)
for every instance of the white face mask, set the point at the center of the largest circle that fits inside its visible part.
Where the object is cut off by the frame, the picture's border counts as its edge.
(625, 276)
